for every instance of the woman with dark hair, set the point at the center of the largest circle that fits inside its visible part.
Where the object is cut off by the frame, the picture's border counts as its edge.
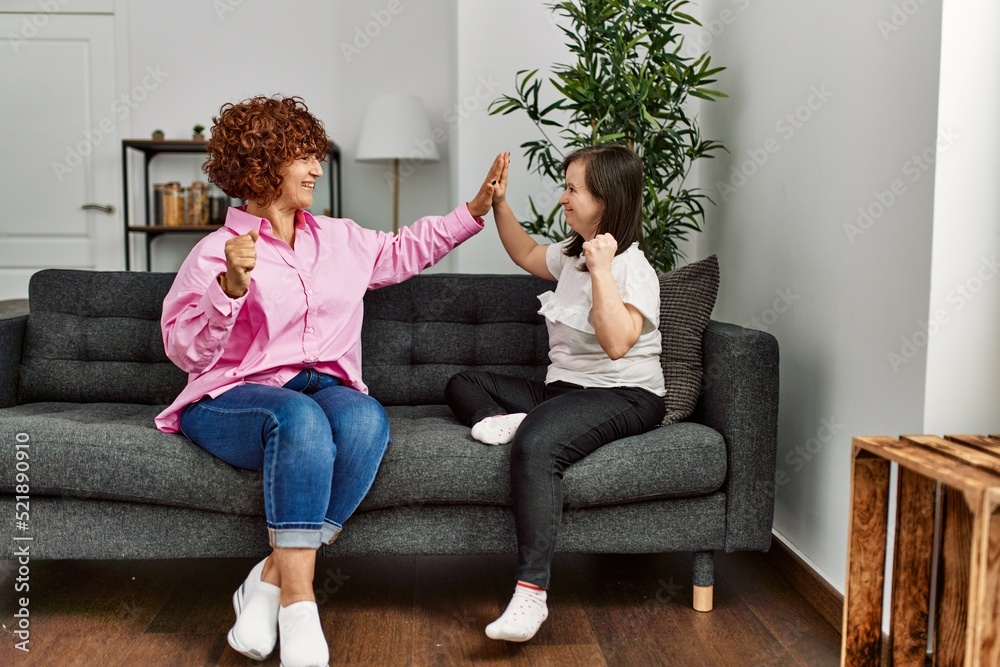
(265, 316)
(604, 381)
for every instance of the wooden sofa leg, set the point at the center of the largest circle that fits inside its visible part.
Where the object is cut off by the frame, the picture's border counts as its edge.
(703, 598)
(703, 571)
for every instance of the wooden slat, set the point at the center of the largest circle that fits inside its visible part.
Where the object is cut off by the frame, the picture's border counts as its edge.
(930, 463)
(911, 578)
(979, 442)
(862, 625)
(987, 631)
(959, 452)
(952, 616)
(978, 545)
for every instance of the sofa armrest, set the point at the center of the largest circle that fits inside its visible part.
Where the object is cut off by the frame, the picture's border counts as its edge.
(11, 344)
(739, 399)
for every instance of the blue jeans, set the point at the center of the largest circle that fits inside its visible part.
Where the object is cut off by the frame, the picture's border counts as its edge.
(318, 443)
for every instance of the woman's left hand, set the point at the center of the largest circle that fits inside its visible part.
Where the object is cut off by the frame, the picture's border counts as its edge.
(599, 251)
(483, 200)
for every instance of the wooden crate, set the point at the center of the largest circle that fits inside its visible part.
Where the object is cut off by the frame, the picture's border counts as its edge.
(966, 470)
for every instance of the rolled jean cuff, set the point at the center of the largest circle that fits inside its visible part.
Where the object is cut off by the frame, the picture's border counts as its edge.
(330, 532)
(295, 538)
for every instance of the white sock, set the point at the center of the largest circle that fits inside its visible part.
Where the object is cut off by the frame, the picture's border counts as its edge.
(302, 641)
(497, 430)
(523, 616)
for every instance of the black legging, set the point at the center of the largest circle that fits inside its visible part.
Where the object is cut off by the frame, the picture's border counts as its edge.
(565, 422)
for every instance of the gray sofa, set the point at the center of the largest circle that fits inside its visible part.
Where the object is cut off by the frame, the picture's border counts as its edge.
(83, 375)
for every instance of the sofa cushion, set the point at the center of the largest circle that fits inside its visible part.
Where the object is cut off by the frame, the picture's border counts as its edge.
(95, 336)
(112, 451)
(687, 297)
(433, 459)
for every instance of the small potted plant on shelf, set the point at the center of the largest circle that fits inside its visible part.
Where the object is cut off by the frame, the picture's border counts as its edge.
(158, 135)
(198, 136)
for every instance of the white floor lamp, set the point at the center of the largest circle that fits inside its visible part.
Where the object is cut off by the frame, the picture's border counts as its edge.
(396, 128)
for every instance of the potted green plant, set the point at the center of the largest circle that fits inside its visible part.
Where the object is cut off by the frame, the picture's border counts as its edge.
(198, 136)
(628, 84)
(158, 135)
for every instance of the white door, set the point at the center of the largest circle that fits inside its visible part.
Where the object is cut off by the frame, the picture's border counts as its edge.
(59, 146)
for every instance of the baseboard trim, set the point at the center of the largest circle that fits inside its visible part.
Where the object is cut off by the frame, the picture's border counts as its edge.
(817, 591)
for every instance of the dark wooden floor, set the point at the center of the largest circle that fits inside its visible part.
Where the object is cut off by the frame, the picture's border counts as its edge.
(604, 610)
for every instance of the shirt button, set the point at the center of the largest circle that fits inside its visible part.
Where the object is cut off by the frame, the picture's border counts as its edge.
(312, 358)
(310, 330)
(309, 291)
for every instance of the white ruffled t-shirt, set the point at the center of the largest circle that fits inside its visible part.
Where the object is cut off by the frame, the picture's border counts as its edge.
(574, 352)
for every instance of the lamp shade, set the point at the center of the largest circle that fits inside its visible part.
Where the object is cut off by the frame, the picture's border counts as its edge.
(396, 127)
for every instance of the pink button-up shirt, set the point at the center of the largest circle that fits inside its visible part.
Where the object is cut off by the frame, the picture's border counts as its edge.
(304, 306)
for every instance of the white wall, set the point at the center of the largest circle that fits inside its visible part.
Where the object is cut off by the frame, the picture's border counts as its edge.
(963, 358)
(493, 45)
(412, 54)
(826, 113)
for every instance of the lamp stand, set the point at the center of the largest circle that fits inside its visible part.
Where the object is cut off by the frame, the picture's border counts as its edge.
(395, 196)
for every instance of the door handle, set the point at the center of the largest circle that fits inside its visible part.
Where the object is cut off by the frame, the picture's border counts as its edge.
(106, 208)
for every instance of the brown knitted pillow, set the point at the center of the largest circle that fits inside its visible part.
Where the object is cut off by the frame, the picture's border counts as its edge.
(687, 297)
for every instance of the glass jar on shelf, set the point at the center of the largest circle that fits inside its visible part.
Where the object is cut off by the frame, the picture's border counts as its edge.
(218, 205)
(173, 204)
(157, 218)
(197, 204)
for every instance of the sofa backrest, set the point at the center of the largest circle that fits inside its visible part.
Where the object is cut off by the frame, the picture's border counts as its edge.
(419, 333)
(95, 336)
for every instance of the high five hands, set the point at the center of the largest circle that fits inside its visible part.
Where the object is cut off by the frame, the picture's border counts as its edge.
(496, 182)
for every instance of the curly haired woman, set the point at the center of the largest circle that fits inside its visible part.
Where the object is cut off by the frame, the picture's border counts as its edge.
(265, 316)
